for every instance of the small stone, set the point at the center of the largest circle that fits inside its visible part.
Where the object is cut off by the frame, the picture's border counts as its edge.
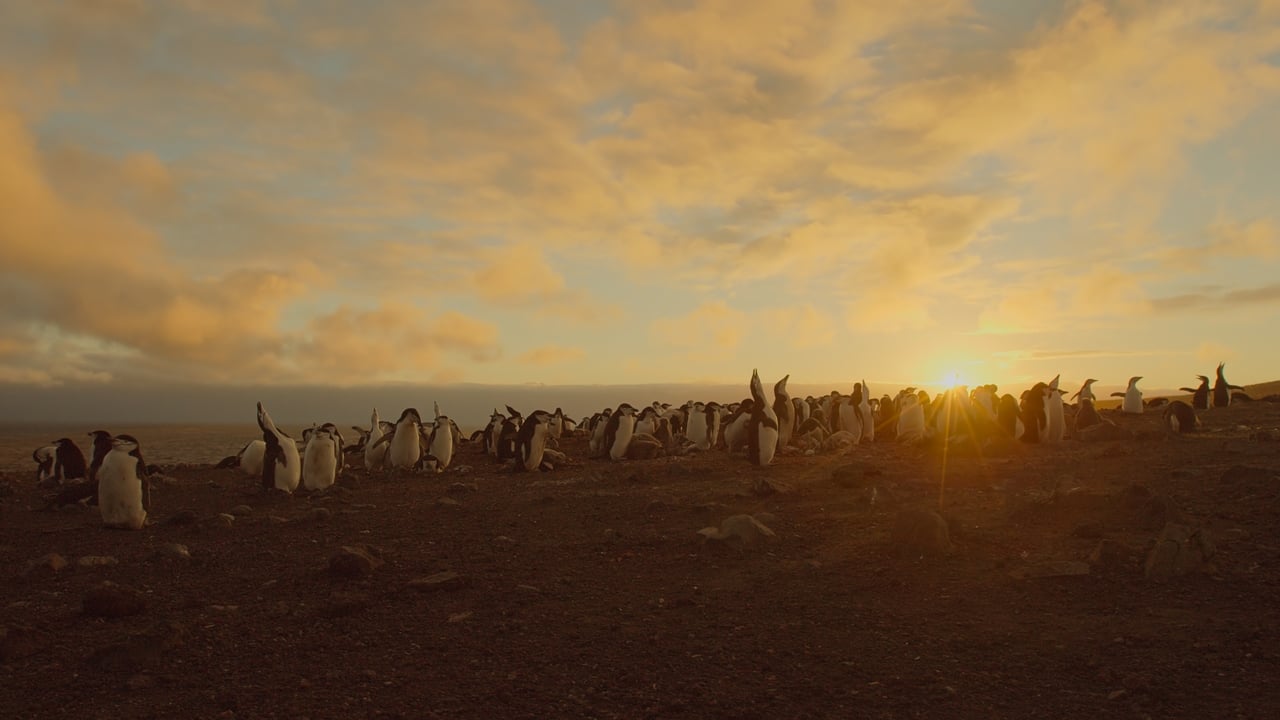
(919, 532)
(97, 561)
(447, 580)
(318, 514)
(463, 487)
(459, 617)
(277, 519)
(109, 600)
(741, 531)
(240, 511)
(1117, 694)
(504, 541)
(174, 551)
(528, 588)
(448, 502)
(182, 517)
(1179, 550)
(225, 519)
(353, 562)
(53, 562)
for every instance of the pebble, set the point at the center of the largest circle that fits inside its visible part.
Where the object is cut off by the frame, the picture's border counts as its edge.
(97, 561)
(240, 511)
(52, 562)
(447, 580)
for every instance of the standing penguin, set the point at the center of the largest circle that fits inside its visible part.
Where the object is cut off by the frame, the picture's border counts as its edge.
(910, 417)
(1086, 416)
(619, 431)
(531, 441)
(1180, 417)
(406, 442)
(1008, 416)
(1199, 395)
(1132, 397)
(786, 412)
(440, 445)
(1034, 418)
(375, 453)
(555, 426)
(281, 466)
(1086, 391)
(865, 415)
(1222, 389)
(703, 427)
(1057, 425)
(124, 493)
(847, 413)
(322, 459)
(68, 462)
(762, 427)
(735, 426)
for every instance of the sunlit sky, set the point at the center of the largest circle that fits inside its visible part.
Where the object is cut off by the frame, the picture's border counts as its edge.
(638, 191)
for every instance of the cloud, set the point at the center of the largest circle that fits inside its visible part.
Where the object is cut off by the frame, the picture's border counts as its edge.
(713, 326)
(1217, 298)
(1212, 352)
(1255, 240)
(551, 355)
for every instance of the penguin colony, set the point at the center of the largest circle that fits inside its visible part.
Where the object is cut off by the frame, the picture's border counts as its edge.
(760, 426)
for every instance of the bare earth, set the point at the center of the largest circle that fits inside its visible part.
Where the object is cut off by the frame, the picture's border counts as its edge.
(587, 592)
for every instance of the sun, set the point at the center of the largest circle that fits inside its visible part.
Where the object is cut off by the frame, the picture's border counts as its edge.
(953, 378)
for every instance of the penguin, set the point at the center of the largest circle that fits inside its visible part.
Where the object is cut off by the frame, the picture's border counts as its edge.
(647, 420)
(251, 456)
(910, 417)
(441, 442)
(704, 425)
(1035, 420)
(124, 492)
(531, 441)
(596, 429)
(864, 413)
(102, 444)
(983, 399)
(618, 433)
(1222, 389)
(322, 459)
(1087, 415)
(507, 432)
(1056, 428)
(1180, 417)
(555, 426)
(848, 413)
(1086, 391)
(1132, 397)
(45, 458)
(281, 465)
(375, 453)
(735, 426)
(68, 462)
(87, 489)
(886, 418)
(492, 431)
(405, 443)
(1199, 395)
(785, 410)
(1008, 417)
(762, 427)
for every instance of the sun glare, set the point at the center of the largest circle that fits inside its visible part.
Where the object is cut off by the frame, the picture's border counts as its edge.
(953, 378)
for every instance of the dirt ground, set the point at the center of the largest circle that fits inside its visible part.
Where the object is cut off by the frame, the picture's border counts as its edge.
(587, 593)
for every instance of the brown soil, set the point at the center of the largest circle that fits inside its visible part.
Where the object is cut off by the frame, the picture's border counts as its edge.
(587, 592)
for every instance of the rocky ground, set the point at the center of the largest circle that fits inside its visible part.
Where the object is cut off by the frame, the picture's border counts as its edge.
(1040, 590)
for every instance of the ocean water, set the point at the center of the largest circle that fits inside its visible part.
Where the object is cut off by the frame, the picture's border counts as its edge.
(161, 444)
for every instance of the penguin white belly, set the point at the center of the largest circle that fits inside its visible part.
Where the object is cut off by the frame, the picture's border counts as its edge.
(320, 463)
(698, 431)
(622, 439)
(374, 453)
(851, 420)
(735, 433)
(251, 459)
(120, 492)
(597, 437)
(868, 423)
(288, 470)
(767, 440)
(535, 451)
(1132, 402)
(647, 425)
(406, 449)
(911, 423)
(442, 448)
(1057, 425)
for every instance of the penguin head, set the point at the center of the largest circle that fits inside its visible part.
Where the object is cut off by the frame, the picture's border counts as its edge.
(626, 410)
(125, 443)
(410, 414)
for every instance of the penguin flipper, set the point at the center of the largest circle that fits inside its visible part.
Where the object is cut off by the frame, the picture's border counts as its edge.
(1117, 394)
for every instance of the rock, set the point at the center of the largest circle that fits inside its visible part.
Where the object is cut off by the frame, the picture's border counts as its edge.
(1110, 555)
(1051, 568)
(462, 487)
(919, 532)
(354, 561)
(448, 502)
(20, 641)
(173, 551)
(1180, 549)
(459, 617)
(97, 561)
(182, 517)
(52, 563)
(224, 519)
(766, 518)
(240, 511)
(764, 486)
(447, 580)
(740, 531)
(109, 600)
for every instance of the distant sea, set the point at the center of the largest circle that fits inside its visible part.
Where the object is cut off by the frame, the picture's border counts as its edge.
(161, 444)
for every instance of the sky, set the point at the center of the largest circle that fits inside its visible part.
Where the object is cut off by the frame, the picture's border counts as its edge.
(331, 194)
